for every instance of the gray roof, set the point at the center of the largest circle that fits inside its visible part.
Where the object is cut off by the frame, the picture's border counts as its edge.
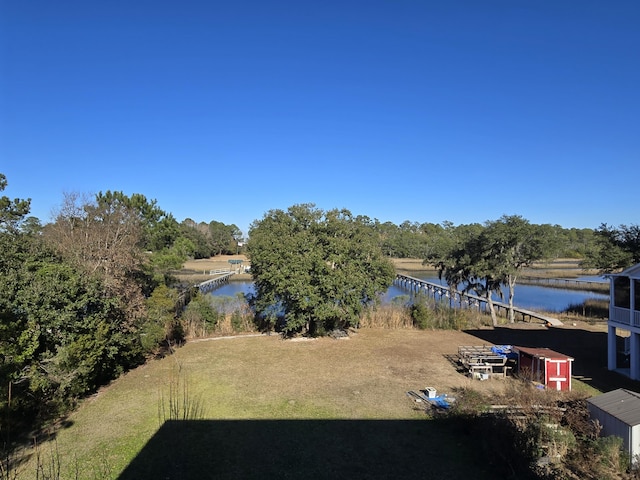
(632, 272)
(622, 404)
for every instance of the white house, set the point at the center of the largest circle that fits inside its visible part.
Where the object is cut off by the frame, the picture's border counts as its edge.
(624, 314)
(618, 412)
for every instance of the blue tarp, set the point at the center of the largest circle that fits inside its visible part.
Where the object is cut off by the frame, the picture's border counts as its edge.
(504, 350)
(441, 401)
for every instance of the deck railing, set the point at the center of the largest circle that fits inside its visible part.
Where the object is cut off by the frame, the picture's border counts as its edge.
(625, 316)
(620, 315)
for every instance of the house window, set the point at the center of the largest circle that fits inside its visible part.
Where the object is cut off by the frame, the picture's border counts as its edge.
(622, 292)
(636, 296)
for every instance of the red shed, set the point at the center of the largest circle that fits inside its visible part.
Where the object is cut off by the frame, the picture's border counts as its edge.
(543, 365)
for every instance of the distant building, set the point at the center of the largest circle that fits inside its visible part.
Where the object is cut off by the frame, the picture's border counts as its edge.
(618, 413)
(624, 314)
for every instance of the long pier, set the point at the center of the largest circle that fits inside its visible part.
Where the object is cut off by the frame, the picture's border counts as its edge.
(210, 285)
(464, 299)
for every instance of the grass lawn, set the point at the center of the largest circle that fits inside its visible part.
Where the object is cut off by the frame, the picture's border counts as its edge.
(269, 408)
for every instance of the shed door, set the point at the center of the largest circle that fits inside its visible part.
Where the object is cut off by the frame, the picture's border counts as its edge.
(558, 374)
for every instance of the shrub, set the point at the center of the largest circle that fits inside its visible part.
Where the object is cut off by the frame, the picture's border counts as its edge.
(237, 321)
(427, 313)
(421, 315)
(200, 317)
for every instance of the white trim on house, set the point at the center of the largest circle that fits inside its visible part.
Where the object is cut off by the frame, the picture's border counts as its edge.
(626, 319)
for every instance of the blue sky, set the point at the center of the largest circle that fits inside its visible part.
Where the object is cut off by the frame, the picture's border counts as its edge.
(399, 110)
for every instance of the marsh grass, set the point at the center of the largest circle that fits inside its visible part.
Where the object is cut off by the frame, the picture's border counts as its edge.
(590, 309)
(386, 316)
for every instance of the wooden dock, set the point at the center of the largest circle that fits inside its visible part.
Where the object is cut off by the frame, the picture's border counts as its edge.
(210, 285)
(467, 300)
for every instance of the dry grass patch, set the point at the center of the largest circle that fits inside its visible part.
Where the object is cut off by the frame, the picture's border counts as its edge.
(410, 265)
(203, 265)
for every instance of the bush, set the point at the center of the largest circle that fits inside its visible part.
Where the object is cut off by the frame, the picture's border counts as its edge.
(200, 318)
(237, 321)
(422, 315)
(426, 313)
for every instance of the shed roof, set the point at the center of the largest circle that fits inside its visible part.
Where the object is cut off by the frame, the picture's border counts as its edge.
(622, 404)
(543, 353)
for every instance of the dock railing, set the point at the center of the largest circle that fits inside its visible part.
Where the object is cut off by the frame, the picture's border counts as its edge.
(465, 299)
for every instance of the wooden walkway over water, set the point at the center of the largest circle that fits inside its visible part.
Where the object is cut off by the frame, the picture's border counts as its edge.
(466, 300)
(210, 285)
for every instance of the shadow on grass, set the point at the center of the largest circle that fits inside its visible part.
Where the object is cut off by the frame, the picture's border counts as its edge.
(331, 449)
(589, 350)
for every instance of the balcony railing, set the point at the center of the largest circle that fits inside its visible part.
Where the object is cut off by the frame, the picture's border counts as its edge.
(623, 315)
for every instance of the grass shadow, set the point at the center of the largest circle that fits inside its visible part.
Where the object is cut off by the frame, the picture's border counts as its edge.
(319, 449)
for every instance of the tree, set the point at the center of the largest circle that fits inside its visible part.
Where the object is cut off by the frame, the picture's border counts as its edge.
(483, 258)
(61, 333)
(159, 229)
(319, 268)
(168, 259)
(103, 238)
(614, 249)
(457, 253)
(509, 244)
(198, 234)
(224, 237)
(12, 212)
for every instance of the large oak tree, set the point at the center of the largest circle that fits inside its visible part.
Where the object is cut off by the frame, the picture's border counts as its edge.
(317, 269)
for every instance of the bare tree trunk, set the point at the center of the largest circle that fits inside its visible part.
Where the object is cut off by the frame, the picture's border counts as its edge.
(492, 309)
(511, 280)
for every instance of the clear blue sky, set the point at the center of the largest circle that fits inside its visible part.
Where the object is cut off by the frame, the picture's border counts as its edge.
(399, 110)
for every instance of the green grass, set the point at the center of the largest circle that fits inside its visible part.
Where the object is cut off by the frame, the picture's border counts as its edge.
(268, 408)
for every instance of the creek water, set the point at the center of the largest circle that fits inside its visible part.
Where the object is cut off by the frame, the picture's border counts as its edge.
(531, 297)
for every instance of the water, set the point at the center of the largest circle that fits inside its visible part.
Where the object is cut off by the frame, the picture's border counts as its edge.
(530, 297)
(231, 289)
